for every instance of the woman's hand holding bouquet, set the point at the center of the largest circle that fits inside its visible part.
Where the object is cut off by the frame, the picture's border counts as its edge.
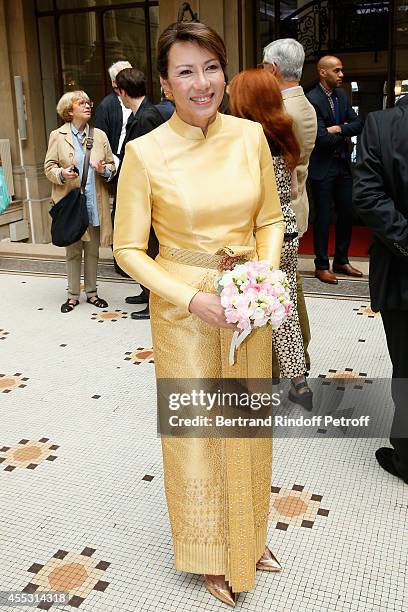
(253, 295)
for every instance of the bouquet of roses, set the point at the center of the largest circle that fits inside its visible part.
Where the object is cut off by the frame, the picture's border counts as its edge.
(253, 294)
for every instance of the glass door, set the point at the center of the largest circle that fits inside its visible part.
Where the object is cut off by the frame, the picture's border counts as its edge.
(81, 48)
(80, 39)
(131, 34)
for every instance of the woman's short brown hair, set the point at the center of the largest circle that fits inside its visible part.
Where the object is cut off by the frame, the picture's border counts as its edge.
(64, 106)
(189, 31)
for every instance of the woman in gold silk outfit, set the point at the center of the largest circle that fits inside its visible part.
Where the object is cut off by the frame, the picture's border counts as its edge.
(205, 181)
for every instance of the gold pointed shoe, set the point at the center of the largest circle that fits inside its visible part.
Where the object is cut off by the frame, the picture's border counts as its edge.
(268, 562)
(217, 586)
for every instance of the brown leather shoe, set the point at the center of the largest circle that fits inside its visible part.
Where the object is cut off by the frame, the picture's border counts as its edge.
(348, 270)
(326, 276)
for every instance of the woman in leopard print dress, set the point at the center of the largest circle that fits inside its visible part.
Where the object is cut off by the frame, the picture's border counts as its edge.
(255, 94)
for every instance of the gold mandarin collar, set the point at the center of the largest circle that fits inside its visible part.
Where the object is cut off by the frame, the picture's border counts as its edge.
(191, 131)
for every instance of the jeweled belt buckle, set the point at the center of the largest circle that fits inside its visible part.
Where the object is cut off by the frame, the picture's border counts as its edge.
(228, 260)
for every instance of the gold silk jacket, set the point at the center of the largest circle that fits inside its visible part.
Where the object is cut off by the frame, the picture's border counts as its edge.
(200, 193)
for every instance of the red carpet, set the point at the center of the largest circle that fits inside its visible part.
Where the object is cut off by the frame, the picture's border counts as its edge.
(360, 242)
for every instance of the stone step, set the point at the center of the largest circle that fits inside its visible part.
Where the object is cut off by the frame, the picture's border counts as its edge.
(346, 289)
(49, 260)
(52, 267)
(42, 251)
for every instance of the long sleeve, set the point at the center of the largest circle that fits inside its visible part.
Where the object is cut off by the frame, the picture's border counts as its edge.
(353, 124)
(268, 223)
(52, 168)
(375, 206)
(102, 119)
(325, 140)
(109, 159)
(148, 120)
(132, 230)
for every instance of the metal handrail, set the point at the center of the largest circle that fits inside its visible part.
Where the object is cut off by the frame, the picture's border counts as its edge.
(186, 8)
(327, 25)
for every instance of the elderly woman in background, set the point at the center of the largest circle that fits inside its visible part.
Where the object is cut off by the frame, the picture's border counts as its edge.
(63, 167)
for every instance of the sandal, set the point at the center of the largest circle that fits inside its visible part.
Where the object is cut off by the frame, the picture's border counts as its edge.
(305, 398)
(69, 305)
(97, 301)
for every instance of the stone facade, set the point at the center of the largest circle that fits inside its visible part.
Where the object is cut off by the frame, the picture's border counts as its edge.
(19, 56)
(234, 20)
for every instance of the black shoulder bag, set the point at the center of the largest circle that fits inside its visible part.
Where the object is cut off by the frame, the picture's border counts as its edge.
(70, 215)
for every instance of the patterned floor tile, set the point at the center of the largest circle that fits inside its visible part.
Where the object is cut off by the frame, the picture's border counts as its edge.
(140, 355)
(8, 383)
(346, 377)
(68, 571)
(95, 519)
(27, 454)
(366, 311)
(109, 315)
(294, 507)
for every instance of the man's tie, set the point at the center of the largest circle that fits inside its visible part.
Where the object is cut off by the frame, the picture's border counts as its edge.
(330, 98)
(336, 108)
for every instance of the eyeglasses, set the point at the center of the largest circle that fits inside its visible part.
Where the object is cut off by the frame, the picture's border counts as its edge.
(84, 103)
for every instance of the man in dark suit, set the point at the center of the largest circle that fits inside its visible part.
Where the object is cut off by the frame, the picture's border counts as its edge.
(131, 86)
(144, 116)
(403, 101)
(381, 197)
(330, 171)
(111, 115)
(165, 107)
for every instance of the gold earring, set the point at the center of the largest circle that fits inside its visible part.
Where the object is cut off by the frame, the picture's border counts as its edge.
(168, 95)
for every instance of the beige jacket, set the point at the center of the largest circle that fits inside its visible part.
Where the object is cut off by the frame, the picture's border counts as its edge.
(305, 126)
(61, 154)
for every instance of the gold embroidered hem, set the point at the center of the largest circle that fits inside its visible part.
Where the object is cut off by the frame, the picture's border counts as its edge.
(191, 557)
(217, 490)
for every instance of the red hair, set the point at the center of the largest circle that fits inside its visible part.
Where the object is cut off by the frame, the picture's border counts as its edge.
(255, 94)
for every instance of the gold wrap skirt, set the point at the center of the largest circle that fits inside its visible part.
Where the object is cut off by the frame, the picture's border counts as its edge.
(217, 490)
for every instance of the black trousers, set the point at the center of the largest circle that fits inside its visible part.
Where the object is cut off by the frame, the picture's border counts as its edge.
(336, 187)
(396, 330)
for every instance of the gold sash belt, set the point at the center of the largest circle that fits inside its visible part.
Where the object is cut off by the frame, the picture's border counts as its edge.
(201, 259)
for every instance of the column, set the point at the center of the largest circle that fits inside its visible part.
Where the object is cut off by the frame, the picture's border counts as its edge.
(21, 45)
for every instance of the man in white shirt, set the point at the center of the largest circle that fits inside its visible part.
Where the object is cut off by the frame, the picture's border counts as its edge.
(285, 58)
(111, 115)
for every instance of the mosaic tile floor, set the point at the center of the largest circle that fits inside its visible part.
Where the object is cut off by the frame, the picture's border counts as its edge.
(81, 491)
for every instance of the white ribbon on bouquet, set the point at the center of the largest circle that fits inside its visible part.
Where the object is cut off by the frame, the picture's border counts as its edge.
(236, 341)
